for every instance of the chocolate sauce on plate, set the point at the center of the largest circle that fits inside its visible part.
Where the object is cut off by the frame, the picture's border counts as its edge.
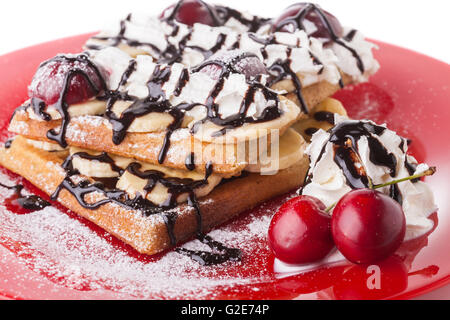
(27, 203)
(220, 253)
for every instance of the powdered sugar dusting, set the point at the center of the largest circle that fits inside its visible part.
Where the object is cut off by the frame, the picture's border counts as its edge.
(67, 251)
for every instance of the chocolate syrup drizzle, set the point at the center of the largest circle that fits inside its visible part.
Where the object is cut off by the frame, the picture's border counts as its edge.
(121, 38)
(411, 167)
(8, 143)
(324, 116)
(190, 161)
(344, 137)
(240, 118)
(175, 186)
(29, 202)
(220, 15)
(345, 153)
(253, 25)
(103, 157)
(281, 69)
(311, 131)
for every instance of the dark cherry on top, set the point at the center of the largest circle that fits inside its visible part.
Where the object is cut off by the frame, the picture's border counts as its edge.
(193, 11)
(295, 16)
(82, 79)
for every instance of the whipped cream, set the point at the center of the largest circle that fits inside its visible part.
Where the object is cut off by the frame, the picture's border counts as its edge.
(383, 156)
(306, 56)
(347, 63)
(196, 91)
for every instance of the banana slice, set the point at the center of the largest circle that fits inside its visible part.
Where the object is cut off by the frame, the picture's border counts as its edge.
(282, 155)
(152, 122)
(46, 146)
(134, 185)
(330, 105)
(92, 107)
(308, 127)
(97, 168)
(250, 131)
(320, 117)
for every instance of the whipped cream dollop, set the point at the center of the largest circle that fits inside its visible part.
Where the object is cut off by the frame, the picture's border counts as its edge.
(344, 157)
(346, 61)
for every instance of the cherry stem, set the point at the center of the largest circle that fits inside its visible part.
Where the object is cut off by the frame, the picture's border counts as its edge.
(428, 172)
(327, 210)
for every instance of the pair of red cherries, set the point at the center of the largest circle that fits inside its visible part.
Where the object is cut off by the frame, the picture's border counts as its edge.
(366, 226)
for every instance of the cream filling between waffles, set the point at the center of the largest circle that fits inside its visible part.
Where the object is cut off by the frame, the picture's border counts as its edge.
(135, 185)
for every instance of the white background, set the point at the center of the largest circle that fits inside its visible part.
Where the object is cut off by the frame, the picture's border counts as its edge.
(420, 25)
(417, 24)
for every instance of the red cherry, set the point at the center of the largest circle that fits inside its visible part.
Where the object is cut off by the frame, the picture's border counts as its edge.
(300, 231)
(235, 60)
(367, 226)
(48, 82)
(289, 21)
(192, 11)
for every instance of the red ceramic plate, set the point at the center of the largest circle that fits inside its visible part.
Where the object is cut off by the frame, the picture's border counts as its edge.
(53, 254)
